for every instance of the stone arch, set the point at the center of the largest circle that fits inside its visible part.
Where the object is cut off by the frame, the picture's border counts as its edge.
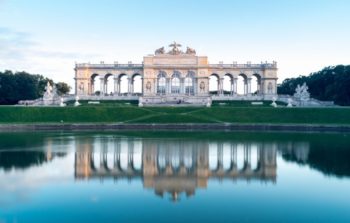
(242, 84)
(214, 80)
(95, 83)
(161, 82)
(176, 82)
(189, 83)
(227, 84)
(109, 84)
(123, 81)
(136, 83)
(256, 84)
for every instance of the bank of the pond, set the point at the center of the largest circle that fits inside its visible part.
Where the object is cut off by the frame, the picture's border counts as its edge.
(183, 126)
(96, 115)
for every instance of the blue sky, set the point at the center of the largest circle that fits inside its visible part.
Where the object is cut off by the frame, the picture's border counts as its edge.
(47, 37)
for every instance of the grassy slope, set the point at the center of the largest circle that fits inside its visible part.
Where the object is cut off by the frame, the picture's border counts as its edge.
(130, 113)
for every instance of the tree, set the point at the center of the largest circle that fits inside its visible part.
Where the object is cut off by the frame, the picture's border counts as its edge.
(24, 86)
(62, 88)
(330, 84)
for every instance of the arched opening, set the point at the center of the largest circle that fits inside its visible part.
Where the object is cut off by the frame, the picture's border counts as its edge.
(136, 84)
(137, 154)
(95, 85)
(175, 83)
(240, 156)
(188, 158)
(161, 83)
(214, 84)
(256, 84)
(123, 84)
(254, 156)
(242, 84)
(109, 84)
(189, 84)
(227, 84)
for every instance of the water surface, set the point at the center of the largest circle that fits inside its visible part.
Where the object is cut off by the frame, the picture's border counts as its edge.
(174, 177)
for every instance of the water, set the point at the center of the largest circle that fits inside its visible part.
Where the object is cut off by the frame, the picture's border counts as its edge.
(174, 177)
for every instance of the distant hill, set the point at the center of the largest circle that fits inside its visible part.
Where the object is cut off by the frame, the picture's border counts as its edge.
(329, 84)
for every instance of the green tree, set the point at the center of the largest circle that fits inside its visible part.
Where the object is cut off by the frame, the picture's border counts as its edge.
(331, 84)
(62, 88)
(24, 86)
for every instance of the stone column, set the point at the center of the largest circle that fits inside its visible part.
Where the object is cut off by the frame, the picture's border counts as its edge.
(102, 85)
(249, 86)
(195, 86)
(221, 86)
(106, 89)
(234, 85)
(116, 85)
(155, 86)
(129, 86)
(92, 87)
(142, 79)
(245, 86)
(168, 86)
(182, 86)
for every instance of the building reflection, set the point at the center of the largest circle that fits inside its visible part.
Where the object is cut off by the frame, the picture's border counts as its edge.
(174, 167)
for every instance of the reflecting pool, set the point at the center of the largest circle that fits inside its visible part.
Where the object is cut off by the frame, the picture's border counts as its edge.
(174, 177)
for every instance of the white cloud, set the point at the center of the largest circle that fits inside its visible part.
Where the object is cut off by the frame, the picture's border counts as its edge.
(19, 52)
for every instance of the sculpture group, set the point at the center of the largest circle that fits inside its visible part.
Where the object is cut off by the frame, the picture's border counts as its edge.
(175, 50)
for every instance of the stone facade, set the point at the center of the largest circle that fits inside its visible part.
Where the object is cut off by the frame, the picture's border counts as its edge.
(177, 76)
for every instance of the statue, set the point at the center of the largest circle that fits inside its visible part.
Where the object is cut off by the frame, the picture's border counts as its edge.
(159, 51)
(175, 50)
(202, 86)
(50, 96)
(209, 102)
(273, 104)
(62, 104)
(48, 91)
(301, 93)
(76, 103)
(140, 102)
(190, 51)
(290, 101)
(148, 86)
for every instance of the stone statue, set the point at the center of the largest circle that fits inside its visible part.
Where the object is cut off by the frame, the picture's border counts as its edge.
(140, 102)
(290, 101)
(202, 86)
(209, 102)
(76, 103)
(175, 50)
(159, 51)
(50, 96)
(190, 51)
(48, 91)
(301, 92)
(62, 104)
(274, 104)
(148, 86)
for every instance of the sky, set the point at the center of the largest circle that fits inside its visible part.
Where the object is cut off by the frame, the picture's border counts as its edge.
(48, 37)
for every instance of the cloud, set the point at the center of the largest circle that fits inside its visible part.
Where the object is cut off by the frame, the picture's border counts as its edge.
(19, 45)
(18, 51)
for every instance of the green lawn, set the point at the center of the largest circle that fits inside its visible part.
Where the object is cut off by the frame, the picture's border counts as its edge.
(121, 112)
